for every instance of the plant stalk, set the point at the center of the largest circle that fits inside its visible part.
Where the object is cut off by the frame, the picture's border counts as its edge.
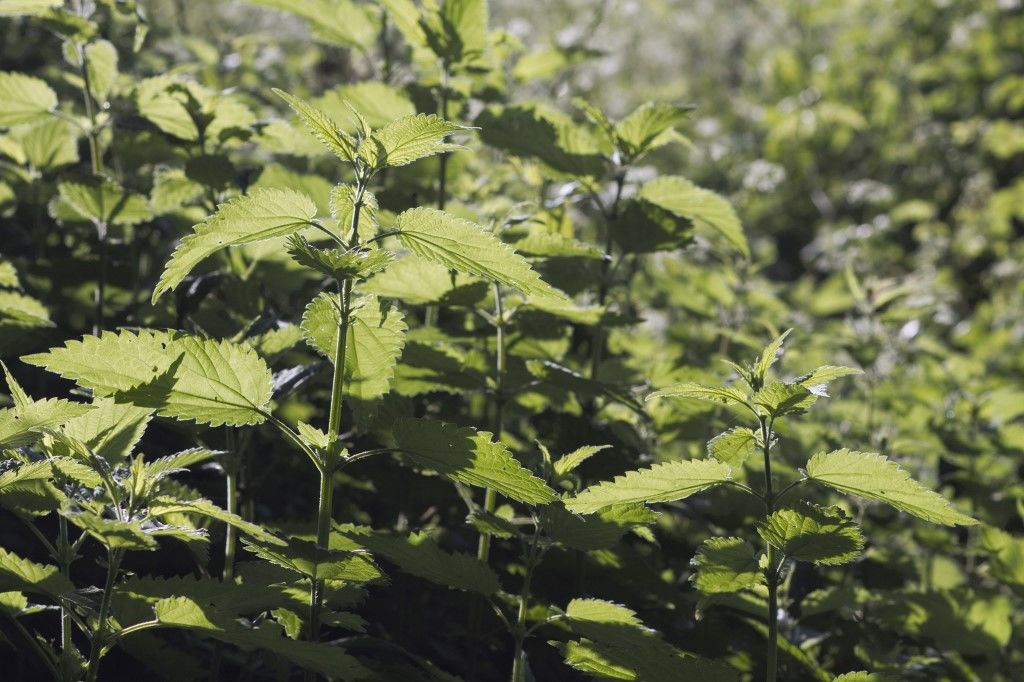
(99, 636)
(520, 632)
(327, 468)
(490, 498)
(771, 570)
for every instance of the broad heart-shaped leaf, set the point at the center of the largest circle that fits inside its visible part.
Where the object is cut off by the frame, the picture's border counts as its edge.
(705, 208)
(408, 139)
(322, 126)
(104, 203)
(212, 382)
(376, 335)
(27, 576)
(664, 482)
(875, 477)
(25, 99)
(649, 126)
(733, 446)
(262, 214)
(824, 535)
(464, 246)
(468, 456)
(331, 661)
(726, 565)
(418, 554)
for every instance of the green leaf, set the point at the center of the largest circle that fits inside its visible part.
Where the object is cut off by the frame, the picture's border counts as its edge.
(618, 645)
(664, 482)
(113, 533)
(210, 382)
(705, 208)
(818, 379)
(649, 127)
(101, 58)
(50, 145)
(263, 214)
(824, 535)
(104, 203)
(726, 565)
(306, 558)
(418, 554)
(468, 456)
(14, 8)
(355, 264)
(777, 399)
(873, 476)
(733, 446)
(22, 424)
(331, 661)
(179, 461)
(110, 430)
(464, 246)
(588, 532)
(111, 362)
(567, 463)
(160, 101)
(26, 99)
(376, 335)
(768, 357)
(724, 395)
(28, 576)
(162, 506)
(409, 139)
(322, 126)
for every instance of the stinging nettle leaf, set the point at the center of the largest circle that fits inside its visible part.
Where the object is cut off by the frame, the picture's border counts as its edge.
(705, 208)
(468, 456)
(824, 535)
(25, 99)
(322, 126)
(726, 565)
(262, 214)
(725, 395)
(733, 446)
(409, 139)
(875, 477)
(768, 357)
(464, 246)
(664, 482)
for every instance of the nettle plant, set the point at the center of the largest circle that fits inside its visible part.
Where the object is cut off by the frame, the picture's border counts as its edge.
(792, 527)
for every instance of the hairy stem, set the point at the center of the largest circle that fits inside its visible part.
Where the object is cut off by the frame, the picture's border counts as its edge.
(64, 557)
(326, 502)
(520, 632)
(99, 636)
(232, 466)
(490, 498)
(771, 569)
(597, 350)
(430, 318)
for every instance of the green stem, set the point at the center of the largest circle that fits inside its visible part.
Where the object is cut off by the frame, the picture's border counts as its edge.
(771, 570)
(326, 503)
(490, 498)
(90, 111)
(99, 636)
(520, 631)
(64, 562)
(597, 351)
(430, 317)
(100, 295)
(232, 464)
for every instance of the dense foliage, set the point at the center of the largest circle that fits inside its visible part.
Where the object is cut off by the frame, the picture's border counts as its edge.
(430, 340)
